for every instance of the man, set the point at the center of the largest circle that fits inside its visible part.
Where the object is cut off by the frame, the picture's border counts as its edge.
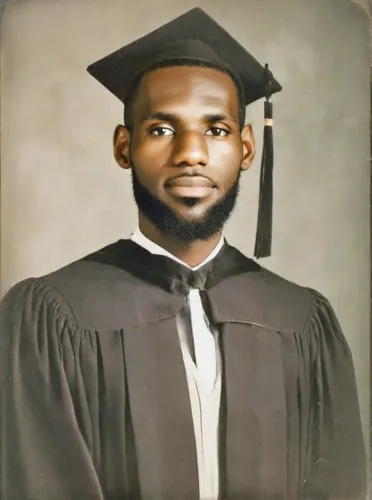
(170, 366)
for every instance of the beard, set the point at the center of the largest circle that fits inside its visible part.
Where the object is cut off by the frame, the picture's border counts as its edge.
(169, 222)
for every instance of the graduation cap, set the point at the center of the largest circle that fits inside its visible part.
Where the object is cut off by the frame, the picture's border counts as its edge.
(195, 36)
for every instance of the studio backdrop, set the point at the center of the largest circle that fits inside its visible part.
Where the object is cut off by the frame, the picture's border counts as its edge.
(62, 195)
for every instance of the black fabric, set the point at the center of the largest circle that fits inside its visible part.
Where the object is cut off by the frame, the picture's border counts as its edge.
(193, 35)
(94, 395)
(169, 274)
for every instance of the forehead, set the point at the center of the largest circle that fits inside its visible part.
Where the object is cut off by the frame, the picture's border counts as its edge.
(188, 85)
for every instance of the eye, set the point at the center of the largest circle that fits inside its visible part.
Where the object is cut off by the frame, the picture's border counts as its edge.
(160, 131)
(218, 132)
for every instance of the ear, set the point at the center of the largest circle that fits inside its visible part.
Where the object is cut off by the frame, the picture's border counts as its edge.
(249, 147)
(121, 141)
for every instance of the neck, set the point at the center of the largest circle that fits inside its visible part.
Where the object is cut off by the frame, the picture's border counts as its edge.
(192, 253)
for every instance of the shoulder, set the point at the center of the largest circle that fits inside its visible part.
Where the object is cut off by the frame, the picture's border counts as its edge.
(91, 294)
(279, 289)
(33, 306)
(304, 310)
(294, 303)
(264, 298)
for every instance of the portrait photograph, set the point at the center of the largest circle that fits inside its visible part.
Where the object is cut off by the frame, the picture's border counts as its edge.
(185, 306)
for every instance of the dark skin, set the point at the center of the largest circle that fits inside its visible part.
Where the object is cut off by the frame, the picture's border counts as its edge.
(186, 143)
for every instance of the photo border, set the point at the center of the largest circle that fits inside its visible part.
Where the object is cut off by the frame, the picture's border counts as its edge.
(366, 6)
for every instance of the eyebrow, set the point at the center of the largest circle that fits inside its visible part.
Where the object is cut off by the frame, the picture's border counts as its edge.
(169, 117)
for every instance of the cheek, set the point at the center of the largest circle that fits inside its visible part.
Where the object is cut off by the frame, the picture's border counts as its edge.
(228, 157)
(231, 148)
(148, 159)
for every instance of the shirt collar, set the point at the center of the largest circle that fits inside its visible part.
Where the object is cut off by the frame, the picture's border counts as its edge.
(138, 237)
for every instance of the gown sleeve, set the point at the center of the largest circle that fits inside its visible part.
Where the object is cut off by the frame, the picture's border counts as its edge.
(43, 454)
(336, 467)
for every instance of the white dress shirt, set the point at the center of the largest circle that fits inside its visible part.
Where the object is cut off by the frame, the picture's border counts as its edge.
(203, 377)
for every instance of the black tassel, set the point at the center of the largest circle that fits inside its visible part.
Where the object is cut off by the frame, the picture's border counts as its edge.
(265, 208)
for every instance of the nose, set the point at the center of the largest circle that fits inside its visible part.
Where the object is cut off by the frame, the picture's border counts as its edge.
(190, 148)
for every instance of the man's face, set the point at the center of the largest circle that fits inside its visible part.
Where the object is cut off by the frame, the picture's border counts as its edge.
(186, 148)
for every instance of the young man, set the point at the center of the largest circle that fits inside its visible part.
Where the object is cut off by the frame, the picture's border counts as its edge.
(170, 366)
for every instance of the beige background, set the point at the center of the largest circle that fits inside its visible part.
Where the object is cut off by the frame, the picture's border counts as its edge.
(62, 195)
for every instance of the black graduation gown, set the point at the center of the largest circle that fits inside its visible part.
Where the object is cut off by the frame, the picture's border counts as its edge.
(95, 401)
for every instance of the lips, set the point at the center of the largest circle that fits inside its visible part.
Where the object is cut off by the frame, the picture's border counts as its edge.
(186, 186)
(190, 181)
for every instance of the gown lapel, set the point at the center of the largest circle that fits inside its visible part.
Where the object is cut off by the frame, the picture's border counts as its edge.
(161, 412)
(253, 437)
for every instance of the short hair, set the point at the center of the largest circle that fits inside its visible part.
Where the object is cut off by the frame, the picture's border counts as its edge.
(134, 88)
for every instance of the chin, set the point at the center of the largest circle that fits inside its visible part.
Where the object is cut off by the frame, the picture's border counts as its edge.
(192, 210)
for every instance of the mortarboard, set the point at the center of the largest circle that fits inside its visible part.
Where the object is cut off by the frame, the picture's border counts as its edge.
(195, 36)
